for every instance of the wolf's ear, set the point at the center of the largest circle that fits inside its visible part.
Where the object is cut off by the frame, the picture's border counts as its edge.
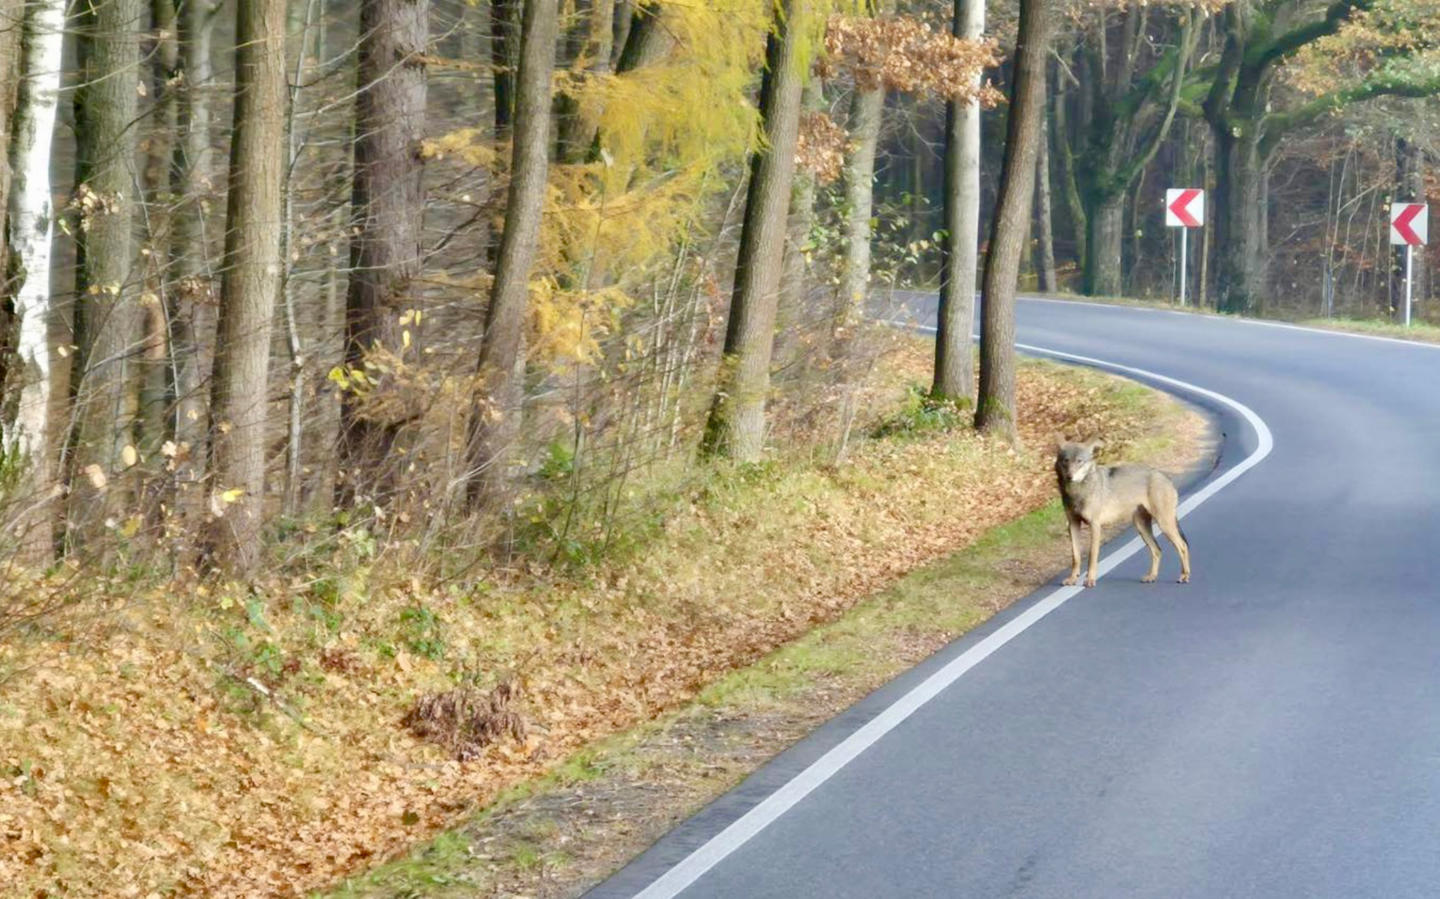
(1095, 444)
(1058, 440)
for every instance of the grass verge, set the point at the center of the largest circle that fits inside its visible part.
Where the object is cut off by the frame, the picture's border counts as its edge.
(183, 739)
(557, 836)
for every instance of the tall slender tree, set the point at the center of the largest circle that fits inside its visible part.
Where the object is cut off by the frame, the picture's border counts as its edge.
(736, 426)
(165, 70)
(12, 14)
(250, 287)
(388, 204)
(959, 253)
(26, 427)
(867, 115)
(1044, 221)
(107, 314)
(505, 58)
(495, 419)
(189, 283)
(995, 410)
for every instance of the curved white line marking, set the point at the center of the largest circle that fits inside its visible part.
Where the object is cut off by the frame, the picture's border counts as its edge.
(693, 866)
(1240, 320)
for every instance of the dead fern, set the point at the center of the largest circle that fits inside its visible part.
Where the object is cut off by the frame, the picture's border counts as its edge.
(465, 720)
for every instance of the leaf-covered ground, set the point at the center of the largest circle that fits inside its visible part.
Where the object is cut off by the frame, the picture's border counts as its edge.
(190, 741)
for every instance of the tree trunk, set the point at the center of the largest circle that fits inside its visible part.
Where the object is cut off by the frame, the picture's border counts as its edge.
(250, 288)
(504, 56)
(1044, 221)
(867, 112)
(1240, 263)
(1105, 241)
(159, 207)
(107, 316)
(1069, 188)
(995, 411)
(575, 134)
(644, 39)
(495, 421)
(189, 284)
(12, 15)
(954, 367)
(30, 220)
(736, 425)
(795, 279)
(388, 205)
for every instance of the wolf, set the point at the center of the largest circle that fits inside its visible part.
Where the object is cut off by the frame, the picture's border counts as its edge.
(1099, 495)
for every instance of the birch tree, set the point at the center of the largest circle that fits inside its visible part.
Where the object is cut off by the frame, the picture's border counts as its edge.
(31, 225)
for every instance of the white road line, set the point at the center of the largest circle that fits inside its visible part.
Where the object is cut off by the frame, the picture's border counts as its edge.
(1308, 329)
(693, 866)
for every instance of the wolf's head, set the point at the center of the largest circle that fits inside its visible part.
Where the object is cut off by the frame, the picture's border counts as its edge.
(1075, 461)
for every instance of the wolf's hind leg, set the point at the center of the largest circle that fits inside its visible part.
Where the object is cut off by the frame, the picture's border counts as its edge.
(1143, 525)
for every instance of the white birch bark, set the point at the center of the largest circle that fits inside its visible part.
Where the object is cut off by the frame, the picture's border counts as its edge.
(31, 226)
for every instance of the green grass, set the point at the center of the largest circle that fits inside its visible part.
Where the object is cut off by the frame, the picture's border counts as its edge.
(862, 648)
(1421, 332)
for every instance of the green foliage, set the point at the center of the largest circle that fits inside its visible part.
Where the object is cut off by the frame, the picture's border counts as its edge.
(424, 632)
(921, 414)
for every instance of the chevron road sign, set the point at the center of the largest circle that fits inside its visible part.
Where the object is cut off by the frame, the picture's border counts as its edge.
(1184, 209)
(1409, 226)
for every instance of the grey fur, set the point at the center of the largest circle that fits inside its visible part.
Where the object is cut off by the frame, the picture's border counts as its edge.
(1099, 495)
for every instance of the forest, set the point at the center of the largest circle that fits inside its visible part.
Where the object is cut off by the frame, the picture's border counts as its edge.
(322, 299)
(449, 284)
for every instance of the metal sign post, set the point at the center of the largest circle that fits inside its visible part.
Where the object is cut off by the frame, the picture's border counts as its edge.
(1184, 209)
(1409, 225)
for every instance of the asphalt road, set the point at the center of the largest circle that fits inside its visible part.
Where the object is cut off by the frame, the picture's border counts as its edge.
(1271, 729)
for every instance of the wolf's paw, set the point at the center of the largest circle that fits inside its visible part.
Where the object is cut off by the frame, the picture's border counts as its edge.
(1090, 582)
(1184, 578)
(1070, 581)
(1148, 579)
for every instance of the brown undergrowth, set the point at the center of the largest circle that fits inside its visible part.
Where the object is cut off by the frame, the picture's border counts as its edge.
(192, 740)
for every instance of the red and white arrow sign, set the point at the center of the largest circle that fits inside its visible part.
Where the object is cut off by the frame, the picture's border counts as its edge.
(1409, 223)
(1184, 207)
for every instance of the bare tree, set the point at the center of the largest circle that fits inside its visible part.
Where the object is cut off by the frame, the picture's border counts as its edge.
(11, 23)
(505, 58)
(495, 420)
(250, 287)
(107, 315)
(30, 221)
(995, 410)
(389, 205)
(867, 114)
(1044, 220)
(736, 427)
(188, 286)
(954, 368)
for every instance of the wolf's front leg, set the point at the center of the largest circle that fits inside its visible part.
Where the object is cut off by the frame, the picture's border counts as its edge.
(1074, 550)
(1094, 554)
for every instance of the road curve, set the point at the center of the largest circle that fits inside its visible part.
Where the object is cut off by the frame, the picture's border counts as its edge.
(1272, 729)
